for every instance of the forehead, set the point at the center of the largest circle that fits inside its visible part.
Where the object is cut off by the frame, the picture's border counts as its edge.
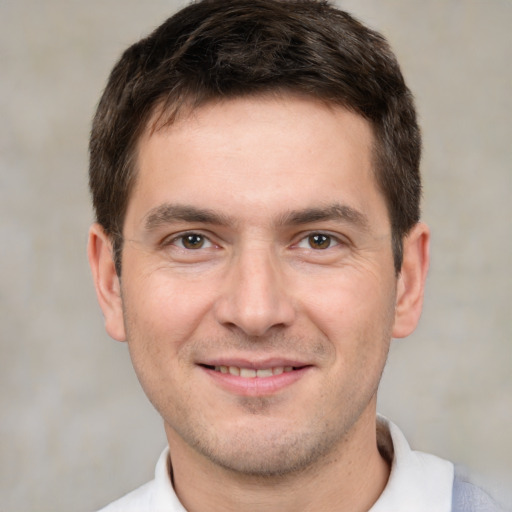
(258, 152)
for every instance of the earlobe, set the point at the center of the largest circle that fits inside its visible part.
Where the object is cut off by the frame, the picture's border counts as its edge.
(411, 282)
(106, 281)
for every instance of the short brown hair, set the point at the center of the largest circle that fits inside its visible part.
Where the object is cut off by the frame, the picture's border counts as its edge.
(222, 49)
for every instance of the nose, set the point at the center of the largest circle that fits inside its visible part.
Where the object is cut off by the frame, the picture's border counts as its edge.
(254, 298)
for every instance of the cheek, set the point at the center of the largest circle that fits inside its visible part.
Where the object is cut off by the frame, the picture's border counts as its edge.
(347, 300)
(158, 325)
(356, 316)
(357, 319)
(164, 309)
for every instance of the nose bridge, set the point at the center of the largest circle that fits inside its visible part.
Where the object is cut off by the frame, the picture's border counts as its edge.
(255, 298)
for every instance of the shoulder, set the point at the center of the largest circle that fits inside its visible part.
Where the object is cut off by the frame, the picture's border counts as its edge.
(156, 496)
(468, 497)
(139, 500)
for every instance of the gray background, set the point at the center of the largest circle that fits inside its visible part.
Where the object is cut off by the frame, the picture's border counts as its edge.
(75, 429)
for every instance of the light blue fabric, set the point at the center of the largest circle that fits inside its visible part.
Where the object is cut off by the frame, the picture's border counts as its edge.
(467, 497)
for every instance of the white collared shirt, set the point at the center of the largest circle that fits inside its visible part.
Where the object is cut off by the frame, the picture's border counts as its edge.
(418, 482)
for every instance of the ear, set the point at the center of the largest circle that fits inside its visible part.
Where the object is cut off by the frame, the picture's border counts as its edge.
(106, 281)
(411, 281)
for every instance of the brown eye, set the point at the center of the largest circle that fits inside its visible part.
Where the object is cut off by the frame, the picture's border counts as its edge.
(193, 241)
(319, 241)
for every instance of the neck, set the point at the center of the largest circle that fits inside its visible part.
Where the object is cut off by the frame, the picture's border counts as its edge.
(350, 478)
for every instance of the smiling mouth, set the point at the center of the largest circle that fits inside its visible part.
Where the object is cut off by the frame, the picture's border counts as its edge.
(252, 373)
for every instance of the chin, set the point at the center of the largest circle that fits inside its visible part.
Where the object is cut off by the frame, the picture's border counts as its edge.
(268, 452)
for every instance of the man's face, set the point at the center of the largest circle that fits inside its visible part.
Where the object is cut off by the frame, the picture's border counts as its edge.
(258, 289)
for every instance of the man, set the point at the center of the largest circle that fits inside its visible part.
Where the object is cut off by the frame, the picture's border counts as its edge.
(255, 176)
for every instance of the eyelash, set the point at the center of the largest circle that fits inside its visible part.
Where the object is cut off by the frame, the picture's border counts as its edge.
(181, 238)
(179, 241)
(332, 241)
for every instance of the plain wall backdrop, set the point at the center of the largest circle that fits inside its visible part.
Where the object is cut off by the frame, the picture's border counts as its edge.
(75, 429)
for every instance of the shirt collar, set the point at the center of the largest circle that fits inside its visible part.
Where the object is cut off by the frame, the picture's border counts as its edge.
(418, 481)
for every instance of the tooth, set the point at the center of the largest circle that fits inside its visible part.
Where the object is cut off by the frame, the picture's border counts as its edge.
(264, 373)
(247, 373)
(250, 373)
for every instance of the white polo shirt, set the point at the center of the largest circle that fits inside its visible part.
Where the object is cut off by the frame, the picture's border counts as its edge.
(418, 482)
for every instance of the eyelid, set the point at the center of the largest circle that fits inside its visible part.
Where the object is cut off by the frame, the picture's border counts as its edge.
(171, 240)
(337, 239)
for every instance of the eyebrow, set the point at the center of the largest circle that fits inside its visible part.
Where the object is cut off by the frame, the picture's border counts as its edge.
(336, 212)
(169, 213)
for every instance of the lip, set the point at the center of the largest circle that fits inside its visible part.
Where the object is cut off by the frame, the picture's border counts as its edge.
(254, 363)
(256, 386)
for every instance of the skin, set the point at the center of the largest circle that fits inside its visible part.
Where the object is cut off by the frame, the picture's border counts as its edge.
(288, 260)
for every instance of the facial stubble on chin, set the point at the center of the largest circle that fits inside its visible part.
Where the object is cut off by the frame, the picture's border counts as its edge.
(269, 454)
(275, 453)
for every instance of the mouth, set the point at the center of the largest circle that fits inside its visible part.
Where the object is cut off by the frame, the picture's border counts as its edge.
(263, 379)
(253, 373)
